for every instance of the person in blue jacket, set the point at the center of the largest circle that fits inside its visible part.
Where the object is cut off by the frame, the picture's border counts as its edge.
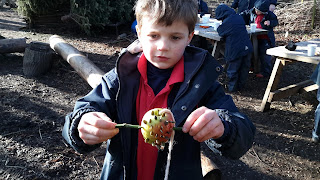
(316, 129)
(272, 7)
(167, 74)
(238, 47)
(267, 20)
(242, 5)
(202, 8)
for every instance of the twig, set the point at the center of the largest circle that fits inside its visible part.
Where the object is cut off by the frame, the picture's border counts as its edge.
(40, 133)
(6, 164)
(125, 125)
(96, 161)
(257, 155)
(13, 133)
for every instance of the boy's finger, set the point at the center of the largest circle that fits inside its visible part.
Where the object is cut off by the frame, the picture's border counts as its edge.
(192, 118)
(101, 120)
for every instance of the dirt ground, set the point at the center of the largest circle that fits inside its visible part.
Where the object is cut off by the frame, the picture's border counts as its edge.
(32, 111)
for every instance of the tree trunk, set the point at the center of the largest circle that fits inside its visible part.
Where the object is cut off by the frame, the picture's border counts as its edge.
(37, 59)
(12, 45)
(84, 67)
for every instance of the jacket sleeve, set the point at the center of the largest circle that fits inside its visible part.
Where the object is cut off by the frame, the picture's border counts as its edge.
(100, 99)
(239, 138)
(273, 21)
(246, 16)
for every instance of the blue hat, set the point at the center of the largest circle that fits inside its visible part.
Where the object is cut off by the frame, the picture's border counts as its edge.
(273, 2)
(262, 5)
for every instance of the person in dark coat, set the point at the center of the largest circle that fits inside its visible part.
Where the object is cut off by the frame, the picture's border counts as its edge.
(167, 74)
(264, 19)
(272, 7)
(242, 5)
(202, 8)
(200, 41)
(238, 47)
(316, 129)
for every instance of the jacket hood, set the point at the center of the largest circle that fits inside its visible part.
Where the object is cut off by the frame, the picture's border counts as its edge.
(262, 5)
(273, 2)
(223, 11)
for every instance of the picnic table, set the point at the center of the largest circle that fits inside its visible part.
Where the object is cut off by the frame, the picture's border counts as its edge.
(218, 45)
(283, 58)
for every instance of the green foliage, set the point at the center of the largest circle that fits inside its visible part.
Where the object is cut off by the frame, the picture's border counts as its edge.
(88, 14)
(30, 8)
(98, 13)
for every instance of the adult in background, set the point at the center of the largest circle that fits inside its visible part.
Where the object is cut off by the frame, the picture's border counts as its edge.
(242, 5)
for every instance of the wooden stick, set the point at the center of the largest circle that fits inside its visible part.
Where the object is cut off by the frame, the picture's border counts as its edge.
(125, 125)
(84, 67)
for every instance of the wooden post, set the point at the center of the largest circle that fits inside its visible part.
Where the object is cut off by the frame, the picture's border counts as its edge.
(84, 67)
(12, 45)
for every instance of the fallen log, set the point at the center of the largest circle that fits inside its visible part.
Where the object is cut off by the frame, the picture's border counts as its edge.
(12, 45)
(83, 66)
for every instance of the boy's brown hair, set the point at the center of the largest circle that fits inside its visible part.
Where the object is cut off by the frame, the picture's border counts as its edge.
(167, 11)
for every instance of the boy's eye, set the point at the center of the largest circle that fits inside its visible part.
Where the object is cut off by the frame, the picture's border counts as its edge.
(176, 37)
(153, 36)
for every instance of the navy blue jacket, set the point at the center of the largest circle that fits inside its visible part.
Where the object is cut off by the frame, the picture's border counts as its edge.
(116, 96)
(203, 7)
(233, 30)
(242, 5)
(249, 16)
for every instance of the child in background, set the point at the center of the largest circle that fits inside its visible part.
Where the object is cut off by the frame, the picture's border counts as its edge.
(272, 7)
(264, 19)
(200, 41)
(238, 47)
(167, 74)
(202, 8)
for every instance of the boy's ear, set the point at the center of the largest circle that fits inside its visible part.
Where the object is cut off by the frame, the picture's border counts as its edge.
(190, 37)
(138, 31)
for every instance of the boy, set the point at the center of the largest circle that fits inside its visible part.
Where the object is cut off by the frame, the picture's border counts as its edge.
(272, 7)
(166, 74)
(238, 47)
(264, 19)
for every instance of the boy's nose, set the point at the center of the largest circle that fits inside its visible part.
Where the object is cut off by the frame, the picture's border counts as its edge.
(162, 45)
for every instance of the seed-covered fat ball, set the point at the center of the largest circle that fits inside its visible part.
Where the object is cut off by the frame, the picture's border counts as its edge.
(157, 126)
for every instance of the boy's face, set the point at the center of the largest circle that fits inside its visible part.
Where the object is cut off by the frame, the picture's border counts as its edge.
(258, 12)
(163, 46)
(272, 7)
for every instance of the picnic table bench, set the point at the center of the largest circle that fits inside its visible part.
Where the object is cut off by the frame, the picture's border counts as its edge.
(283, 58)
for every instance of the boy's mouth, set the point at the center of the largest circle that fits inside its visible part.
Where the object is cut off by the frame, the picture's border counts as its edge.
(162, 58)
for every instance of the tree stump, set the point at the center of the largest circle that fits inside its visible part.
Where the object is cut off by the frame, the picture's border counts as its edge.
(37, 59)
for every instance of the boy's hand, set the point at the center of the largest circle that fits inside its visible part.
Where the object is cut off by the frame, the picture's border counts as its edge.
(96, 127)
(203, 124)
(267, 23)
(135, 47)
